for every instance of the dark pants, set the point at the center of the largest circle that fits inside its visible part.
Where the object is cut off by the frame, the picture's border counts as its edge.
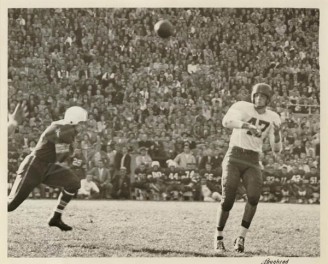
(240, 164)
(33, 172)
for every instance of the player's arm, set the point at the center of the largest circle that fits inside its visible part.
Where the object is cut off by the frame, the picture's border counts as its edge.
(16, 117)
(235, 119)
(275, 136)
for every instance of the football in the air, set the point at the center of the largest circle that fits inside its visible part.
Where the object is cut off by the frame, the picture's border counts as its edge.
(164, 28)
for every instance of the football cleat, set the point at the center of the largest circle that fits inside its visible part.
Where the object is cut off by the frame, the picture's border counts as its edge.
(218, 243)
(59, 223)
(219, 246)
(239, 244)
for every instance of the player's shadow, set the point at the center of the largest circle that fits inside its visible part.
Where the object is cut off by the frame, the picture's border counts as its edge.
(179, 252)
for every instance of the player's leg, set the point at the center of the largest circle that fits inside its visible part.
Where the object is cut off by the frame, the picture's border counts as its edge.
(28, 177)
(230, 182)
(252, 180)
(62, 177)
(207, 194)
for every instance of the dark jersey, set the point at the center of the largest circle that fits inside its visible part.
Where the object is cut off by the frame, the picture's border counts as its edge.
(155, 175)
(212, 176)
(313, 178)
(172, 176)
(140, 175)
(188, 176)
(77, 162)
(283, 178)
(55, 143)
(269, 176)
(297, 176)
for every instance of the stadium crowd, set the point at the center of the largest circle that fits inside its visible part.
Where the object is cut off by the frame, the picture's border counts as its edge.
(155, 106)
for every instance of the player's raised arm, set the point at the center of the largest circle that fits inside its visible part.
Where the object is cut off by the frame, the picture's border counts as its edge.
(275, 137)
(16, 117)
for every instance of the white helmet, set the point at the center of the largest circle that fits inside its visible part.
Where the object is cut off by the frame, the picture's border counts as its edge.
(155, 163)
(75, 114)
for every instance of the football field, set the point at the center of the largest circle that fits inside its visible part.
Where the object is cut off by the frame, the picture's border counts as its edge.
(160, 229)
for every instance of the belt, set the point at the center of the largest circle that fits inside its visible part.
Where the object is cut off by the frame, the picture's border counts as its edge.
(244, 151)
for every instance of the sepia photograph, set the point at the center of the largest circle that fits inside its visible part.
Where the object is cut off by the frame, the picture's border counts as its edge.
(163, 132)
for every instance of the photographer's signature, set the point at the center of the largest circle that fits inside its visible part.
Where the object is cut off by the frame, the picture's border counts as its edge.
(275, 261)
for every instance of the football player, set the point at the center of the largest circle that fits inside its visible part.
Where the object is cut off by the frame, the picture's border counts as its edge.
(211, 184)
(43, 165)
(297, 177)
(155, 177)
(269, 177)
(140, 184)
(173, 180)
(313, 180)
(189, 181)
(251, 124)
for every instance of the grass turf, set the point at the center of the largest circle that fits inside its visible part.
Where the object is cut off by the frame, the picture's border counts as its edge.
(160, 229)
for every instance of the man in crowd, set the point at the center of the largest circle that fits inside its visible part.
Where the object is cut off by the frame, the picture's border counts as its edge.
(88, 188)
(103, 179)
(121, 184)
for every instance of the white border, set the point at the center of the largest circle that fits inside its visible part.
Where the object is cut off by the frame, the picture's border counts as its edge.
(5, 4)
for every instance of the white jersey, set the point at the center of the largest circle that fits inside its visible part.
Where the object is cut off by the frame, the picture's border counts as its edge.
(245, 111)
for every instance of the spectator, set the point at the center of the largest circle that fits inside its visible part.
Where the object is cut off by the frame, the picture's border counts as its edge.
(185, 157)
(123, 159)
(89, 189)
(111, 153)
(121, 184)
(103, 180)
(206, 158)
(164, 95)
(143, 157)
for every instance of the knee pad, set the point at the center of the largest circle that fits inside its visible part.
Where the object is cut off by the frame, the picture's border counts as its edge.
(253, 200)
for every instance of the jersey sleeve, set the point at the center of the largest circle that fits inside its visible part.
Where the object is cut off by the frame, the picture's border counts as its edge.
(236, 113)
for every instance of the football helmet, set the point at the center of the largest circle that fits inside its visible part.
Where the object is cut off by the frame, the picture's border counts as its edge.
(75, 114)
(262, 88)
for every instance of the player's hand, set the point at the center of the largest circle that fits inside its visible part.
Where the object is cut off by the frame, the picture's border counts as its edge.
(253, 129)
(19, 114)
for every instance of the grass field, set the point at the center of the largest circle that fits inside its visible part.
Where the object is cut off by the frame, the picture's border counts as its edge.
(159, 229)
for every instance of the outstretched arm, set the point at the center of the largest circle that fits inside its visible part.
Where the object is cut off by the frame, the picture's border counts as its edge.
(17, 117)
(275, 138)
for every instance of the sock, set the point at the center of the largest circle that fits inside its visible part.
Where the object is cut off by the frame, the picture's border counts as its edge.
(63, 200)
(243, 231)
(219, 233)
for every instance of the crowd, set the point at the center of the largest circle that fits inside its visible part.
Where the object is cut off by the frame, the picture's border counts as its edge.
(147, 96)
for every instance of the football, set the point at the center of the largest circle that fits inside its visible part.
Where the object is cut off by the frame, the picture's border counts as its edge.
(164, 28)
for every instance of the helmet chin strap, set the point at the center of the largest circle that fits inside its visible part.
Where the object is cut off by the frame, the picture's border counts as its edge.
(259, 107)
